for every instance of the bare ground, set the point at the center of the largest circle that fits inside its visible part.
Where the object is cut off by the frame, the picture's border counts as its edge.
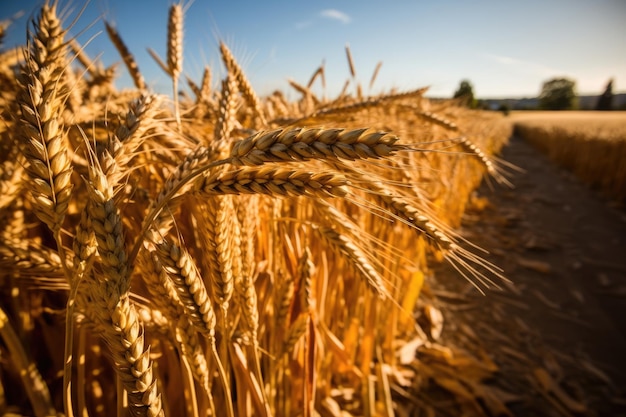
(557, 333)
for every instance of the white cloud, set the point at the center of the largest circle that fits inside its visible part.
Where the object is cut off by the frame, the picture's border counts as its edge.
(336, 15)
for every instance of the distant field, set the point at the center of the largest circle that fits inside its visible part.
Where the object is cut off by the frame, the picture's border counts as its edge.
(591, 144)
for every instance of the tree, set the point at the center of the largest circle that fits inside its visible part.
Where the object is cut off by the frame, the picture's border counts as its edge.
(605, 102)
(465, 93)
(558, 94)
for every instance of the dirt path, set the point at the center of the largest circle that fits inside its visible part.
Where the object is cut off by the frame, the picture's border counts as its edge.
(558, 333)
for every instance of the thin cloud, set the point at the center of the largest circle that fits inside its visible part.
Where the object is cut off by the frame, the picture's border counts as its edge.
(303, 25)
(336, 15)
(526, 66)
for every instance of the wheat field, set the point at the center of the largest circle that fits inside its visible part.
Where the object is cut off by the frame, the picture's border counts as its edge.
(217, 252)
(590, 144)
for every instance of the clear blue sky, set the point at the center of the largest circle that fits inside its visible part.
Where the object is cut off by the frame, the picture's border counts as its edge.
(505, 48)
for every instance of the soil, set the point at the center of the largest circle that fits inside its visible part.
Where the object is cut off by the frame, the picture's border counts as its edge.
(557, 332)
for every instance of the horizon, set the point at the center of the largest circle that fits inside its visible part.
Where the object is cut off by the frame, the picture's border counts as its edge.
(504, 50)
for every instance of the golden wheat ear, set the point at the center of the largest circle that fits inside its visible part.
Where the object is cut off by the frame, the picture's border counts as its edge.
(40, 124)
(113, 310)
(127, 56)
(175, 53)
(289, 145)
(243, 83)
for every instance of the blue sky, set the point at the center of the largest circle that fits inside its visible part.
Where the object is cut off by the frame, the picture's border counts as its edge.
(505, 48)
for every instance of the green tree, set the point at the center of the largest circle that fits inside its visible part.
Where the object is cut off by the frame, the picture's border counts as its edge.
(558, 94)
(605, 102)
(465, 93)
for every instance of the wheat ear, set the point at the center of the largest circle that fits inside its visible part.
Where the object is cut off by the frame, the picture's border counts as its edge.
(127, 56)
(435, 118)
(491, 168)
(274, 182)
(302, 144)
(319, 72)
(350, 62)
(346, 247)
(304, 272)
(205, 86)
(222, 247)
(190, 288)
(375, 74)
(39, 124)
(10, 182)
(227, 108)
(251, 98)
(185, 277)
(175, 52)
(295, 332)
(116, 315)
(165, 295)
(41, 103)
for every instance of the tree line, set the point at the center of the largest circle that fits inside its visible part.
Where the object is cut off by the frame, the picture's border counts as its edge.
(556, 94)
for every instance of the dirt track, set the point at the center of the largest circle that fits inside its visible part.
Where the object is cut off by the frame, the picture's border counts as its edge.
(558, 333)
